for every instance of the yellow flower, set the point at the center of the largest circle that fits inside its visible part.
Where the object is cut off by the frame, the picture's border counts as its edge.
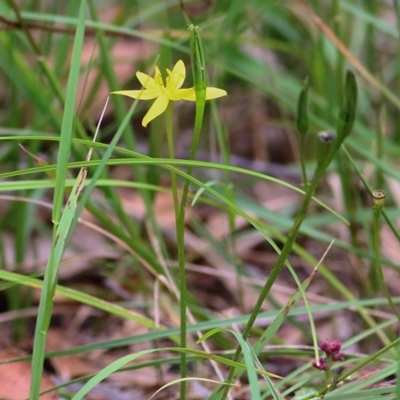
(154, 88)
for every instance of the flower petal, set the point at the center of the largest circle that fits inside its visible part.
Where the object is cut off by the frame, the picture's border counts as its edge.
(158, 77)
(190, 94)
(147, 81)
(176, 76)
(157, 108)
(183, 94)
(213, 93)
(139, 94)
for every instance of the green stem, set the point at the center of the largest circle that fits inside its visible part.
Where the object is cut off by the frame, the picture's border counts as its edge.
(180, 225)
(171, 152)
(303, 162)
(328, 371)
(376, 274)
(278, 266)
(180, 238)
(377, 277)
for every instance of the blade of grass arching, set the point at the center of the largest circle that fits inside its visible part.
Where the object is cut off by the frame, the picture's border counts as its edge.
(69, 183)
(153, 362)
(176, 381)
(200, 326)
(168, 164)
(82, 298)
(304, 255)
(50, 279)
(162, 162)
(118, 364)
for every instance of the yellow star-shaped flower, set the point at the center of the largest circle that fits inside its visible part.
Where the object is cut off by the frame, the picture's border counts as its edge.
(154, 88)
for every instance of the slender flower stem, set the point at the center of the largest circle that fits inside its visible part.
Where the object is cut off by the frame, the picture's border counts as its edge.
(180, 237)
(197, 56)
(303, 163)
(180, 225)
(376, 274)
(171, 152)
(377, 277)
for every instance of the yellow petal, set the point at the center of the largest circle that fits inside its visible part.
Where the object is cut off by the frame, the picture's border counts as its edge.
(190, 95)
(147, 81)
(182, 94)
(157, 108)
(139, 94)
(176, 76)
(158, 77)
(213, 93)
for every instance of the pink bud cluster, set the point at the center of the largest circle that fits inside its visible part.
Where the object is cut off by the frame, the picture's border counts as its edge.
(332, 351)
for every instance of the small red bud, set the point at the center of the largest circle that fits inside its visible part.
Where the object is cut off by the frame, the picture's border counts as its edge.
(330, 347)
(322, 364)
(339, 356)
(335, 346)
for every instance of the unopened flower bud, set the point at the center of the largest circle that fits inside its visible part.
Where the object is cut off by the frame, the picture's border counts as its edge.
(330, 347)
(339, 356)
(321, 365)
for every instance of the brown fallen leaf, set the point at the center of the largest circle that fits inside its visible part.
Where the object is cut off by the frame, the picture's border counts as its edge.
(68, 366)
(15, 378)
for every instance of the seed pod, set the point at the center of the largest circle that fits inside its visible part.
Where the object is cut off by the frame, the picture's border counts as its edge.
(302, 110)
(347, 113)
(198, 59)
(378, 198)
